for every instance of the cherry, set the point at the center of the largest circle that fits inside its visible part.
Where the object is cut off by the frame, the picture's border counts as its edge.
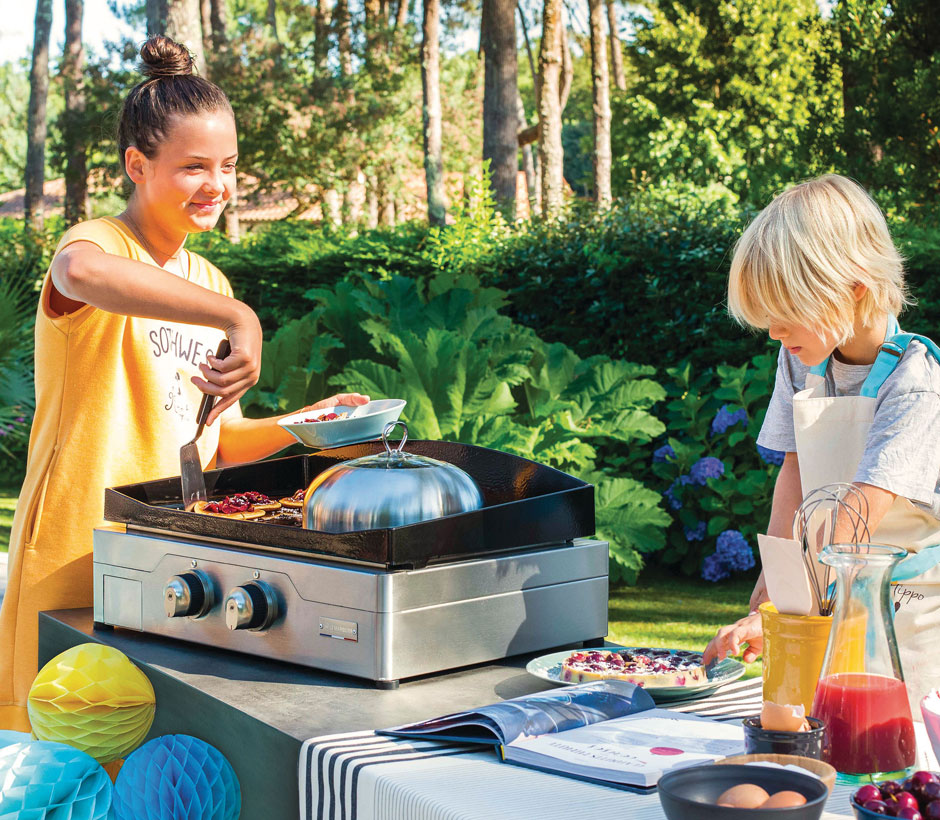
(932, 810)
(890, 787)
(867, 792)
(906, 800)
(907, 813)
(931, 791)
(924, 778)
(875, 807)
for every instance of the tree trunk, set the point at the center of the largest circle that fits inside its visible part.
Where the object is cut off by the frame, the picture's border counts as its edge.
(601, 104)
(373, 26)
(156, 16)
(616, 54)
(372, 205)
(500, 89)
(551, 156)
(432, 117)
(321, 35)
(219, 16)
(184, 24)
(233, 228)
(528, 51)
(401, 16)
(73, 66)
(528, 161)
(567, 67)
(387, 215)
(343, 36)
(208, 42)
(272, 19)
(36, 116)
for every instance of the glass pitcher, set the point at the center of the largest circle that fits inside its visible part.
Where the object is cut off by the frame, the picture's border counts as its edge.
(861, 693)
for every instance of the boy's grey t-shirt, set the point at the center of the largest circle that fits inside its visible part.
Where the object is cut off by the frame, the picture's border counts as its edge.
(902, 454)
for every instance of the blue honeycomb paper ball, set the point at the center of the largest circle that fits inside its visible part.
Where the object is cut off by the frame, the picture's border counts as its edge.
(176, 777)
(7, 738)
(42, 780)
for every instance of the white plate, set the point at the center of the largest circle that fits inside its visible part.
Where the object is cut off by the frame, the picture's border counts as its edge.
(367, 424)
(548, 667)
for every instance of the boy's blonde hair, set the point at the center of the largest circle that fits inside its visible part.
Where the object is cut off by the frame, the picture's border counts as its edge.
(799, 260)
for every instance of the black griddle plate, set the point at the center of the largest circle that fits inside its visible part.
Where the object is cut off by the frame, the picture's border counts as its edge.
(525, 504)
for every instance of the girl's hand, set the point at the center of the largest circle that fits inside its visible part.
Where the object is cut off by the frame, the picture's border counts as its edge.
(229, 378)
(348, 399)
(728, 641)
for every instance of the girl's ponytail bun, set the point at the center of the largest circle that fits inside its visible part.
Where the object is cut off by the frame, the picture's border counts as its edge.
(163, 57)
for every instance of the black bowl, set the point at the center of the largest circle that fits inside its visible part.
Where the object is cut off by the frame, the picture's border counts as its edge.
(691, 793)
(758, 741)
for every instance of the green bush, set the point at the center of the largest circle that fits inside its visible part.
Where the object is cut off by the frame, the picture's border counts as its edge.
(710, 471)
(470, 374)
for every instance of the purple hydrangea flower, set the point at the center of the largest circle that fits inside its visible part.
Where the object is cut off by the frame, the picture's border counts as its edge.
(734, 551)
(696, 533)
(769, 456)
(705, 468)
(671, 499)
(726, 417)
(664, 453)
(714, 569)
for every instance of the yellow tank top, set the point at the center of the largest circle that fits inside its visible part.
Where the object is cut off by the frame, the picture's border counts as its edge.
(114, 403)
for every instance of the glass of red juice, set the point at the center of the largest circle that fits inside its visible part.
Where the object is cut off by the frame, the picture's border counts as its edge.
(861, 695)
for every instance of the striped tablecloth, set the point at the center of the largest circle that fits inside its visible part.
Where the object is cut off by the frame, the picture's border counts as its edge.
(362, 776)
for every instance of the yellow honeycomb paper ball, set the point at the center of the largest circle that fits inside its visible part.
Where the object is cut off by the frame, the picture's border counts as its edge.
(93, 698)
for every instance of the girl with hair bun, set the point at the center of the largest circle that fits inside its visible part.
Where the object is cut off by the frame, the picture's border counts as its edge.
(126, 329)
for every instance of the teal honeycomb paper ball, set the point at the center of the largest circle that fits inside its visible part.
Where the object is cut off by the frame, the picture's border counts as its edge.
(177, 777)
(7, 738)
(42, 780)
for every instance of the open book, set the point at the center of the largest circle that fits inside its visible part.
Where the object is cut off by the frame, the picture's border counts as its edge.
(607, 732)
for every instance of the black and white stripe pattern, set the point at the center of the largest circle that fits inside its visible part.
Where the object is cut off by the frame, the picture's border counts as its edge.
(330, 766)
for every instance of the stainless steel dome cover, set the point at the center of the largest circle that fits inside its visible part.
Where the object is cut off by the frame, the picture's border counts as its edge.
(390, 489)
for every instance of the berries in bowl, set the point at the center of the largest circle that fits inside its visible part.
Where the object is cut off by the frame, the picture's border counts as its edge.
(915, 798)
(342, 424)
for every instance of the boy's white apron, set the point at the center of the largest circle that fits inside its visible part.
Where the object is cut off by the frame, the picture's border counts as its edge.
(831, 434)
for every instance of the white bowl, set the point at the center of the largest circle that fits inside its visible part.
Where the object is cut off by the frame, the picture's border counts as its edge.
(367, 424)
(930, 709)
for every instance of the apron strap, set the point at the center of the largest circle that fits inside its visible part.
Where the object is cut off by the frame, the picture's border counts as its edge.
(893, 329)
(917, 563)
(889, 356)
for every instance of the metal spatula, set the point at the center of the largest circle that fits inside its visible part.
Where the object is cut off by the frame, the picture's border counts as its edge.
(191, 476)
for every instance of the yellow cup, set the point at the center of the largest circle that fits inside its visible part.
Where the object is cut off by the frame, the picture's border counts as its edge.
(794, 647)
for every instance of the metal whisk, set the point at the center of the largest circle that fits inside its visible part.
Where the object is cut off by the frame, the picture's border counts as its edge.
(814, 527)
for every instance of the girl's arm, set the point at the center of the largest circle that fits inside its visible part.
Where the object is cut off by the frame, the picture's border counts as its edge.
(85, 274)
(243, 440)
(788, 495)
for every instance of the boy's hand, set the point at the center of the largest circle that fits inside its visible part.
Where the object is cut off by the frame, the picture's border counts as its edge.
(229, 378)
(729, 639)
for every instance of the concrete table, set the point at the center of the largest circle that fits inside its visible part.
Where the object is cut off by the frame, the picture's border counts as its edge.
(258, 712)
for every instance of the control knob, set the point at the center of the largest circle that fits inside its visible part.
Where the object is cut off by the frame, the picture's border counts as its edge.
(251, 606)
(188, 595)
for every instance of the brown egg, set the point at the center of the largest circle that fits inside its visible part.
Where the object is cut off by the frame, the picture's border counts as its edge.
(743, 796)
(784, 800)
(782, 718)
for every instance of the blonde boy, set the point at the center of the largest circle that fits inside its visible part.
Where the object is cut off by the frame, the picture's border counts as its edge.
(818, 270)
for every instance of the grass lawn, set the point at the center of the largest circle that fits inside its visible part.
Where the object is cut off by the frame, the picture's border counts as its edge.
(676, 612)
(7, 506)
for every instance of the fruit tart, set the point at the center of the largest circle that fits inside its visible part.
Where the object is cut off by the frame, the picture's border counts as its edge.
(642, 666)
(244, 506)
